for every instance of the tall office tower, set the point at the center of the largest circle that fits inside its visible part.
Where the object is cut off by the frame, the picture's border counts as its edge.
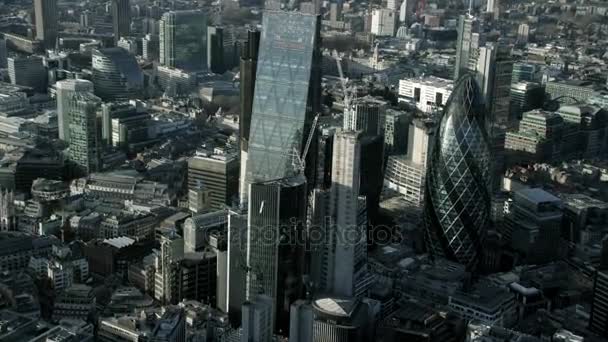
(29, 72)
(384, 22)
(166, 263)
(215, 49)
(116, 74)
(335, 11)
(3, 54)
(276, 217)
(257, 320)
(183, 40)
(84, 145)
(525, 96)
(534, 225)
(492, 9)
(494, 73)
(217, 172)
(286, 96)
(121, 19)
(248, 67)
(46, 22)
(407, 174)
(465, 45)
(150, 46)
(396, 125)
(348, 211)
(65, 90)
(598, 320)
(457, 199)
(523, 32)
(365, 114)
(406, 11)
(234, 259)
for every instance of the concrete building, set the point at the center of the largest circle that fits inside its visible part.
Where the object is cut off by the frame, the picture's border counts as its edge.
(406, 11)
(396, 126)
(28, 72)
(491, 305)
(217, 172)
(406, 174)
(428, 93)
(598, 320)
(340, 320)
(65, 90)
(534, 225)
(384, 22)
(538, 137)
(3, 53)
(175, 81)
(257, 320)
(525, 96)
(570, 91)
(171, 253)
(366, 114)
(523, 33)
(183, 40)
(199, 228)
(75, 302)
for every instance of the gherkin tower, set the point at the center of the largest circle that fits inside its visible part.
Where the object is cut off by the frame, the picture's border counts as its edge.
(457, 201)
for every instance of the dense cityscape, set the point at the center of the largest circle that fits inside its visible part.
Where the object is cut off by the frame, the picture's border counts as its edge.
(282, 170)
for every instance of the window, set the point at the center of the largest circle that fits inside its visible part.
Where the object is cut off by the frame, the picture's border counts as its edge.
(438, 99)
(417, 95)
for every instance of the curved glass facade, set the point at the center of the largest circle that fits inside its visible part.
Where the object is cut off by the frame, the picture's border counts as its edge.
(457, 201)
(116, 74)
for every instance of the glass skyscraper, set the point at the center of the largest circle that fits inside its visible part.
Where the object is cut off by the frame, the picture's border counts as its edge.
(183, 40)
(83, 143)
(286, 94)
(116, 74)
(457, 200)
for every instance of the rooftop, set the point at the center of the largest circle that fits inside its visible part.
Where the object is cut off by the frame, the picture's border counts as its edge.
(337, 306)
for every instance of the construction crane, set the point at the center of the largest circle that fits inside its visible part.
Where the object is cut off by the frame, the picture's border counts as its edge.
(343, 81)
(299, 161)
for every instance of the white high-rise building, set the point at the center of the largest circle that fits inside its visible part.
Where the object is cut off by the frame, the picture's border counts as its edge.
(427, 93)
(384, 22)
(492, 8)
(406, 10)
(66, 89)
(523, 32)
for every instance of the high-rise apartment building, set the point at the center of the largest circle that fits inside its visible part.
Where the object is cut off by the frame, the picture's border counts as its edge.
(286, 96)
(217, 172)
(183, 40)
(64, 91)
(465, 44)
(121, 19)
(84, 144)
(46, 22)
(457, 199)
(116, 74)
